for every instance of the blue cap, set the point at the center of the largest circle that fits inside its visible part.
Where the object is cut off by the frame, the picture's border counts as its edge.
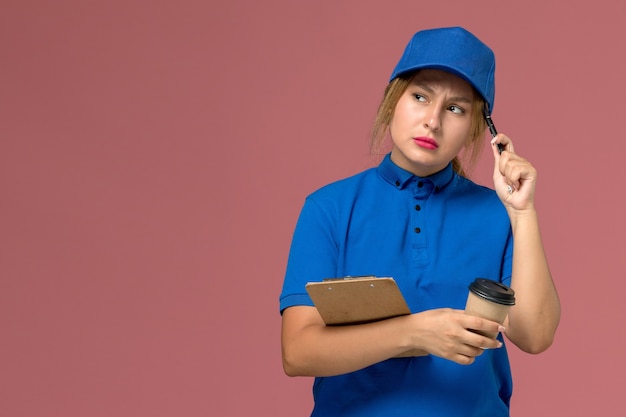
(454, 50)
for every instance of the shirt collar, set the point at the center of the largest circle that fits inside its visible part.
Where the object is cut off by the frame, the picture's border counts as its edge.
(399, 177)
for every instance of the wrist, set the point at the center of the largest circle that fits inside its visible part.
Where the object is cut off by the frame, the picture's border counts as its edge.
(522, 217)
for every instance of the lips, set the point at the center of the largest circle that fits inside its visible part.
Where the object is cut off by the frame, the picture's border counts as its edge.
(425, 142)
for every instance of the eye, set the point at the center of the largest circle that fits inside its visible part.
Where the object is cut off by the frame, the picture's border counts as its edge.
(456, 109)
(419, 97)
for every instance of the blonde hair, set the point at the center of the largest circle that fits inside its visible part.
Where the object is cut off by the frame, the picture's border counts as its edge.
(394, 91)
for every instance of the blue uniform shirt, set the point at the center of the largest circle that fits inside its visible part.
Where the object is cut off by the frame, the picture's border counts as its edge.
(434, 235)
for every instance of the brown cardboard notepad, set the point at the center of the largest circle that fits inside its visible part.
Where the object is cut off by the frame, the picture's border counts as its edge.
(355, 300)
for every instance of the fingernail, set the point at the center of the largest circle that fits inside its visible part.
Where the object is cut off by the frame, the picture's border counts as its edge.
(493, 140)
(499, 345)
(501, 329)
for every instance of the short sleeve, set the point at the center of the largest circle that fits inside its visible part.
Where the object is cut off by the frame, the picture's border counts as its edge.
(313, 253)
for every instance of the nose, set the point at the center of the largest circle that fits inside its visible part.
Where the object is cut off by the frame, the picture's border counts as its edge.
(432, 119)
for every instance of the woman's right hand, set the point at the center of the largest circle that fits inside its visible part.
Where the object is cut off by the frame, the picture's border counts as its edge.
(447, 333)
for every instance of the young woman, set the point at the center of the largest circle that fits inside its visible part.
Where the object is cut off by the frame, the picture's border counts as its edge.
(418, 219)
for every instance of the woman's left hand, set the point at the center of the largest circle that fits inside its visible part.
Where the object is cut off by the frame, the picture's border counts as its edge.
(514, 177)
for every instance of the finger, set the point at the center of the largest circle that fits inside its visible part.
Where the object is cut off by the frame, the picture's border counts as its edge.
(471, 351)
(463, 360)
(481, 324)
(504, 141)
(496, 146)
(510, 171)
(467, 354)
(500, 161)
(484, 340)
(482, 332)
(497, 158)
(517, 169)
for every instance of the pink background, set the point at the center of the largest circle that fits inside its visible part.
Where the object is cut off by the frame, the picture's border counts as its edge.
(154, 157)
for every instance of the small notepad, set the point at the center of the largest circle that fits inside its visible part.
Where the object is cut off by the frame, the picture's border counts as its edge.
(356, 300)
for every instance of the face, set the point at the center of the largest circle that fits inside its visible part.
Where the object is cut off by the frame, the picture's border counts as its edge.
(431, 122)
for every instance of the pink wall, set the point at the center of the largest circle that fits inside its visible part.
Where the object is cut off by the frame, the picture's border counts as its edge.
(154, 157)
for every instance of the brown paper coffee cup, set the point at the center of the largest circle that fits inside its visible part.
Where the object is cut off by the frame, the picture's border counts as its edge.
(490, 300)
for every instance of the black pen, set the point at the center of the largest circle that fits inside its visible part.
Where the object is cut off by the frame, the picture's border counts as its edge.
(491, 126)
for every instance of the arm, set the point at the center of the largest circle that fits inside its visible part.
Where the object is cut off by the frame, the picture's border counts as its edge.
(310, 348)
(533, 321)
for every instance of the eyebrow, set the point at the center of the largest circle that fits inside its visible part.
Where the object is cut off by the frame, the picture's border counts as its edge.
(427, 87)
